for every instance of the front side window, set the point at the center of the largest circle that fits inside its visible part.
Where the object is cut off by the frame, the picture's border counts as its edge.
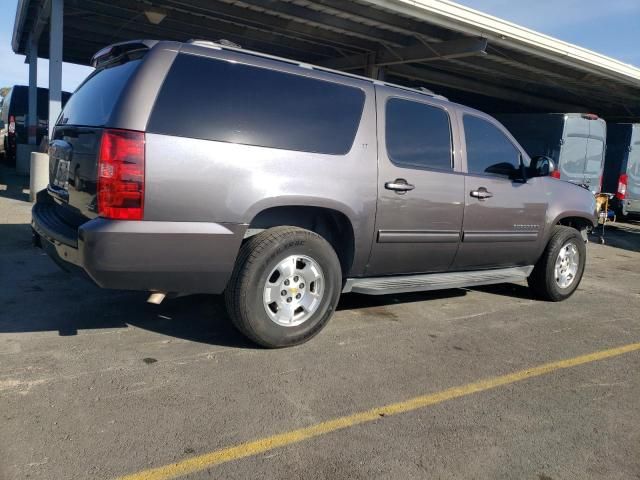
(232, 102)
(418, 135)
(489, 151)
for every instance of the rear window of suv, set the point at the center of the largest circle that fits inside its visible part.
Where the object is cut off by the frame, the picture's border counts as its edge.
(232, 102)
(92, 104)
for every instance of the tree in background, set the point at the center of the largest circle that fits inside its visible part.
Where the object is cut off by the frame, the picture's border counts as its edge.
(4, 91)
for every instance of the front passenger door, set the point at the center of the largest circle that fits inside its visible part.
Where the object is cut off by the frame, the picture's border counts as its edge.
(503, 216)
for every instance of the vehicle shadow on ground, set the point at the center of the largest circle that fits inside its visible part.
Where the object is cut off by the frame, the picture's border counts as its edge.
(12, 184)
(357, 301)
(623, 235)
(511, 290)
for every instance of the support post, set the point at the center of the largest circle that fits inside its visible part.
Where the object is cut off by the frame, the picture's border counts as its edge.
(32, 126)
(376, 72)
(55, 62)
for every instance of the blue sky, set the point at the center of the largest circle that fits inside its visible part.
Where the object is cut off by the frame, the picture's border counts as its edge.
(611, 27)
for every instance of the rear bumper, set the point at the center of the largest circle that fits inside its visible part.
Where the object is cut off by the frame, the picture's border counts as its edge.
(180, 257)
(630, 206)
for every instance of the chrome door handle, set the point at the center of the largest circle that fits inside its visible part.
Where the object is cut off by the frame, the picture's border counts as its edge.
(399, 185)
(481, 193)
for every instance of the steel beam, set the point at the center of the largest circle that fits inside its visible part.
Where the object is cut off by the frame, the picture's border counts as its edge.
(407, 26)
(42, 18)
(55, 62)
(32, 126)
(330, 22)
(414, 54)
(448, 80)
(226, 12)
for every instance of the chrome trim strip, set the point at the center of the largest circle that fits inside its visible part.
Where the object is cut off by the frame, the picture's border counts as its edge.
(498, 236)
(418, 236)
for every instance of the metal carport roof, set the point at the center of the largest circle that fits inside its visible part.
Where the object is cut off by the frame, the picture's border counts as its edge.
(466, 55)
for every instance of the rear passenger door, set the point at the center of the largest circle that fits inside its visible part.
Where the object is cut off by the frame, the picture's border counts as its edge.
(503, 217)
(420, 193)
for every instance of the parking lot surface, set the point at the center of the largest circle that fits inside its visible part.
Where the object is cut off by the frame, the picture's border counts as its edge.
(100, 384)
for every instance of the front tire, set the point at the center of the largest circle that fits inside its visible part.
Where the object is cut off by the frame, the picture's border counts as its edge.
(285, 286)
(559, 270)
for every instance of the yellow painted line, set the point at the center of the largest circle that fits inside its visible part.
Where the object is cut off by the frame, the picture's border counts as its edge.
(255, 447)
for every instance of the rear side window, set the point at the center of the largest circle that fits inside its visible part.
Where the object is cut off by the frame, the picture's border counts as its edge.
(418, 135)
(91, 105)
(231, 102)
(489, 151)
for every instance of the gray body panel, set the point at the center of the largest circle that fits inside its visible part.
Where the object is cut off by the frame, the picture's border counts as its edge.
(575, 143)
(623, 157)
(201, 197)
(194, 257)
(632, 200)
(416, 231)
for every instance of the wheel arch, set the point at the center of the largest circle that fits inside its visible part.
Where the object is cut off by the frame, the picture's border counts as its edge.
(579, 222)
(331, 223)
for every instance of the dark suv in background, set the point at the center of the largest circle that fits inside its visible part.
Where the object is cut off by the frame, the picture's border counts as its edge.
(200, 168)
(14, 119)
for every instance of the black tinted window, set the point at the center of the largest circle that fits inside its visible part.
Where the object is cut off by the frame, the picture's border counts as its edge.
(418, 135)
(489, 151)
(232, 102)
(19, 101)
(93, 102)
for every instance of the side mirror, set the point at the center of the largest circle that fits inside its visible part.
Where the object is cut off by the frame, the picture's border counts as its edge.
(542, 166)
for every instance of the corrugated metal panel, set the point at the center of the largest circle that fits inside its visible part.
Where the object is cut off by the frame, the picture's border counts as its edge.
(519, 69)
(466, 20)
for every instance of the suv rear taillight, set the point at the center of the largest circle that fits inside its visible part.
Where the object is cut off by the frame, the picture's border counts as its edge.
(555, 174)
(121, 175)
(12, 125)
(622, 187)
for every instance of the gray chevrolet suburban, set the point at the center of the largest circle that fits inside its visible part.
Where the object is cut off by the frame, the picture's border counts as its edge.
(180, 168)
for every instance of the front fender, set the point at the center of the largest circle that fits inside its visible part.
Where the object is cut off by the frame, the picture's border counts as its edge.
(567, 201)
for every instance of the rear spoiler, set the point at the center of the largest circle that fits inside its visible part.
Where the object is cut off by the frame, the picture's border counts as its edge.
(115, 52)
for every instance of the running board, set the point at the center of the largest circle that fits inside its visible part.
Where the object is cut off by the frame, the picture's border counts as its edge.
(435, 281)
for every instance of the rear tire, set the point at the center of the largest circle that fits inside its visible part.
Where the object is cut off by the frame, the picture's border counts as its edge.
(559, 270)
(284, 287)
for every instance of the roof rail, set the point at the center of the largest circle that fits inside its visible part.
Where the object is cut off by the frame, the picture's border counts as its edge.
(227, 45)
(208, 43)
